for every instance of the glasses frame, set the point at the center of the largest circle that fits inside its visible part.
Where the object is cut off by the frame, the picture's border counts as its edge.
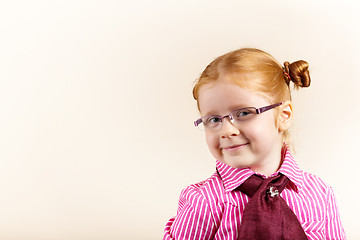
(257, 110)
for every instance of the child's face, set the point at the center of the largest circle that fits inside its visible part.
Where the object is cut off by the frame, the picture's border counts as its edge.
(256, 143)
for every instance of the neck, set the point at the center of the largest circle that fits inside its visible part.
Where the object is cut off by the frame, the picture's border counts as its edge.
(271, 163)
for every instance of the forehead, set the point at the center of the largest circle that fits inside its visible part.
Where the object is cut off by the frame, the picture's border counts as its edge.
(221, 97)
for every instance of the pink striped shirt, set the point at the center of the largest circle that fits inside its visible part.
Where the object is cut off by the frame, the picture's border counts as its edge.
(212, 209)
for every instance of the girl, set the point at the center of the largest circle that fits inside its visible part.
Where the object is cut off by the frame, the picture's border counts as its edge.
(258, 190)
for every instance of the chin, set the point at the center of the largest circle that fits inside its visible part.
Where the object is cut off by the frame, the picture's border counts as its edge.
(236, 164)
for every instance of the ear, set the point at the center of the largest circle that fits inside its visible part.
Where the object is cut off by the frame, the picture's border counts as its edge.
(285, 116)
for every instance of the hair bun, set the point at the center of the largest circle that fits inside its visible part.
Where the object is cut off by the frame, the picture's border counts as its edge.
(298, 73)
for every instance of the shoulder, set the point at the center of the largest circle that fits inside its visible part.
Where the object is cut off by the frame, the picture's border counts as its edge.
(207, 190)
(315, 185)
(196, 215)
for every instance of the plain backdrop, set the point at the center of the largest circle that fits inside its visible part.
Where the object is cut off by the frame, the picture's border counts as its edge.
(96, 112)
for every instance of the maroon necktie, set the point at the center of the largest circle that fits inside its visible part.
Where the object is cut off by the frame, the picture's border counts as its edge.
(266, 215)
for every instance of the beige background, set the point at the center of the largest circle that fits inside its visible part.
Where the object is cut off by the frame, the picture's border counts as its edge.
(96, 134)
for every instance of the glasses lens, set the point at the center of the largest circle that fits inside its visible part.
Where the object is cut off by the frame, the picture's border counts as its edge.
(211, 122)
(243, 114)
(200, 126)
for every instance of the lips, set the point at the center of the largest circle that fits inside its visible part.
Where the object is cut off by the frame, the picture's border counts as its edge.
(235, 147)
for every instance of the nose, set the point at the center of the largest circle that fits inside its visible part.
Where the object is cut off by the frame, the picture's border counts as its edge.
(228, 129)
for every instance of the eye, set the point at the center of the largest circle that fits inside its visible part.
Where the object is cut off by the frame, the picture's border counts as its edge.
(214, 119)
(244, 114)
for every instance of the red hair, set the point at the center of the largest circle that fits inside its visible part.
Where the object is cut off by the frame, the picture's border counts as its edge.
(272, 80)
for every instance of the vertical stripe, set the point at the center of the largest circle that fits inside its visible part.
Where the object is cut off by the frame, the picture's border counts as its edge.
(213, 209)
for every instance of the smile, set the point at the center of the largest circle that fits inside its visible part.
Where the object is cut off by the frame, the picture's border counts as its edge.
(235, 147)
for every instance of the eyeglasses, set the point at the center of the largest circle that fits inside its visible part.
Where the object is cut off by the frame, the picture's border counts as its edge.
(214, 122)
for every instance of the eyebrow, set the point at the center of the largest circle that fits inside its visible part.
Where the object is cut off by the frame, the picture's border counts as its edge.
(238, 106)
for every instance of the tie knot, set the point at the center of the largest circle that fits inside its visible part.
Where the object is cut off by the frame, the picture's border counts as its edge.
(272, 186)
(267, 215)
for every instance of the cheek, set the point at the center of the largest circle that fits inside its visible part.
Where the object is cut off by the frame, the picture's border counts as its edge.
(262, 130)
(212, 142)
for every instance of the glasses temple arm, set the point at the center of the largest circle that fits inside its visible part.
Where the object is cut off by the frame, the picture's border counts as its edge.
(197, 122)
(264, 109)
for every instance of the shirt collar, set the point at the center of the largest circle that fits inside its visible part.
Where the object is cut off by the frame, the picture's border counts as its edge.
(234, 177)
(290, 169)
